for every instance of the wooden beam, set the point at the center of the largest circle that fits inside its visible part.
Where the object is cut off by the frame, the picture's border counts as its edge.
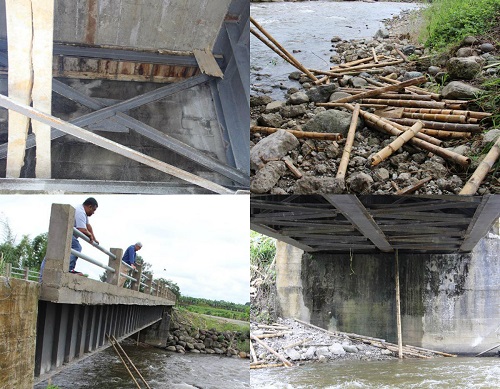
(110, 145)
(261, 229)
(207, 63)
(356, 213)
(486, 214)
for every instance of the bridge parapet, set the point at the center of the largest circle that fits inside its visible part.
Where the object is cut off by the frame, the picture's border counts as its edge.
(61, 286)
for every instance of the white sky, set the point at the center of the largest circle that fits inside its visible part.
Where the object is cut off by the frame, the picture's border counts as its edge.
(198, 241)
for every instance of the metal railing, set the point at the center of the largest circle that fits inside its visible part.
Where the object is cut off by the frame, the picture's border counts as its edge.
(142, 282)
(21, 273)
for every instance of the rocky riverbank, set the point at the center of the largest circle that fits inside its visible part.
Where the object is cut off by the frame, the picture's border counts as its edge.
(298, 343)
(185, 338)
(284, 163)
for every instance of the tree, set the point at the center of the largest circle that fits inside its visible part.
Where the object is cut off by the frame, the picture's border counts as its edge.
(171, 285)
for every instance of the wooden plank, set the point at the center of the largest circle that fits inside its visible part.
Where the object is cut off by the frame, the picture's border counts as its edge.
(265, 230)
(486, 214)
(356, 213)
(207, 63)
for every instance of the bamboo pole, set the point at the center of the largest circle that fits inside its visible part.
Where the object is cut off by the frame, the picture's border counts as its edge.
(252, 352)
(355, 62)
(374, 55)
(263, 365)
(297, 343)
(299, 134)
(276, 335)
(123, 361)
(369, 66)
(130, 361)
(436, 117)
(391, 148)
(259, 37)
(431, 351)
(412, 188)
(321, 80)
(406, 103)
(398, 307)
(459, 127)
(279, 356)
(426, 137)
(383, 89)
(482, 170)
(289, 164)
(415, 89)
(339, 334)
(485, 351)
(334, 105)
(446, 134)
(472, 114)
(398, 96)
(273, 327)
(348, 144)
(283, 50)
(405, 58)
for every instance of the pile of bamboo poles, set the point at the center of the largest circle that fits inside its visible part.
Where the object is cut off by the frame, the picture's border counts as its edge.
(268, 331)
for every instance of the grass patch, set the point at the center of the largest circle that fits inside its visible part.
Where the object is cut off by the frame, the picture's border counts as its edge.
(206, 323)
(218, 312)
(449, 21)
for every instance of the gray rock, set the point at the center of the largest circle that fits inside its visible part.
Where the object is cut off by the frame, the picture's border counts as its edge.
(436, 169)
(408, 50)
(195, 351)
(491, 136)
(292, 111)
(274, 106)
(180, 349)
(322, 359)
(486, 47)
(336, 349)
(386, 352)
(298, 98)
(466, 52)
(335, 39)
(309, 354)
(462, 150)
(357, 82)
(433, 70)
(171, 348)
(359, 182)
(267, 177)
(459, 90)
(469, 40)
(381, 33)
(332, 121)
(274, 146)
(323, 351)
(321, 94)
(312, 185)
(295, 76)
(386, 70)
(338, 95)
(464, 68)
(350, 348)
(218, 351)
(333, 150)
(410, 75)
(270, 120)
(293, 354)
(381, 174)
(256, 101)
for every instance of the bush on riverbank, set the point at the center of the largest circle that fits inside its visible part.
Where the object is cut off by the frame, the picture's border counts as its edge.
(449, 21)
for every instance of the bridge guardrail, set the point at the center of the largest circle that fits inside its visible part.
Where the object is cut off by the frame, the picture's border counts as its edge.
(21, 273)
(59, 250)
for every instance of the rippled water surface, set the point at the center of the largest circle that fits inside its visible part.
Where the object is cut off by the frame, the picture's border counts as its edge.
(449, 373)
(308, 27)
(160, 369)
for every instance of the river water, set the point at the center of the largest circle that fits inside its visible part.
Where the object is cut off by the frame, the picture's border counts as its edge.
(308, 27)
(161, 369)
(446, 373)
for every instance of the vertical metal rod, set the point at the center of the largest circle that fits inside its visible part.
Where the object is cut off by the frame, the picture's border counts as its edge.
(398, 307)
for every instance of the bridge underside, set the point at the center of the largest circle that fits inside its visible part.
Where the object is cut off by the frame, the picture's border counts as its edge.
(68, 332)
(374, 224)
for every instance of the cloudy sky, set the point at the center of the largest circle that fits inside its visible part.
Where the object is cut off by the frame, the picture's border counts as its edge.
(201, 242)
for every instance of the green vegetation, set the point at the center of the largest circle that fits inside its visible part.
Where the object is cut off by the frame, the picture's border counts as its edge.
(490, 101)
(449, 21)
(219, 308)
(27, 253)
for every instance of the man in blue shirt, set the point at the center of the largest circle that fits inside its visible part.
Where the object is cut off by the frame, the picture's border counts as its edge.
(82, 214)
(129, 256)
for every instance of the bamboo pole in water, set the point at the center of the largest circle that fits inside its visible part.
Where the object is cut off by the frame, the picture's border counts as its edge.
(123, 361)
(395, 145)
(283, 50)
(299, 134)
(348, 143)
(259, 37)
(130, 361)
(482, 170)
(398, 307)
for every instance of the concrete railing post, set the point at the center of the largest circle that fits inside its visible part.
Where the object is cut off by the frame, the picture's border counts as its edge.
(62, 219)
(158, 288)
(114, 278)
(137, 275)
(26, 273)
(8, 269)
(149, 284)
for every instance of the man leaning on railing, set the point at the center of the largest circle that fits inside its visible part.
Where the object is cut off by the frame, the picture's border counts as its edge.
(82, 214)
(130, 254)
